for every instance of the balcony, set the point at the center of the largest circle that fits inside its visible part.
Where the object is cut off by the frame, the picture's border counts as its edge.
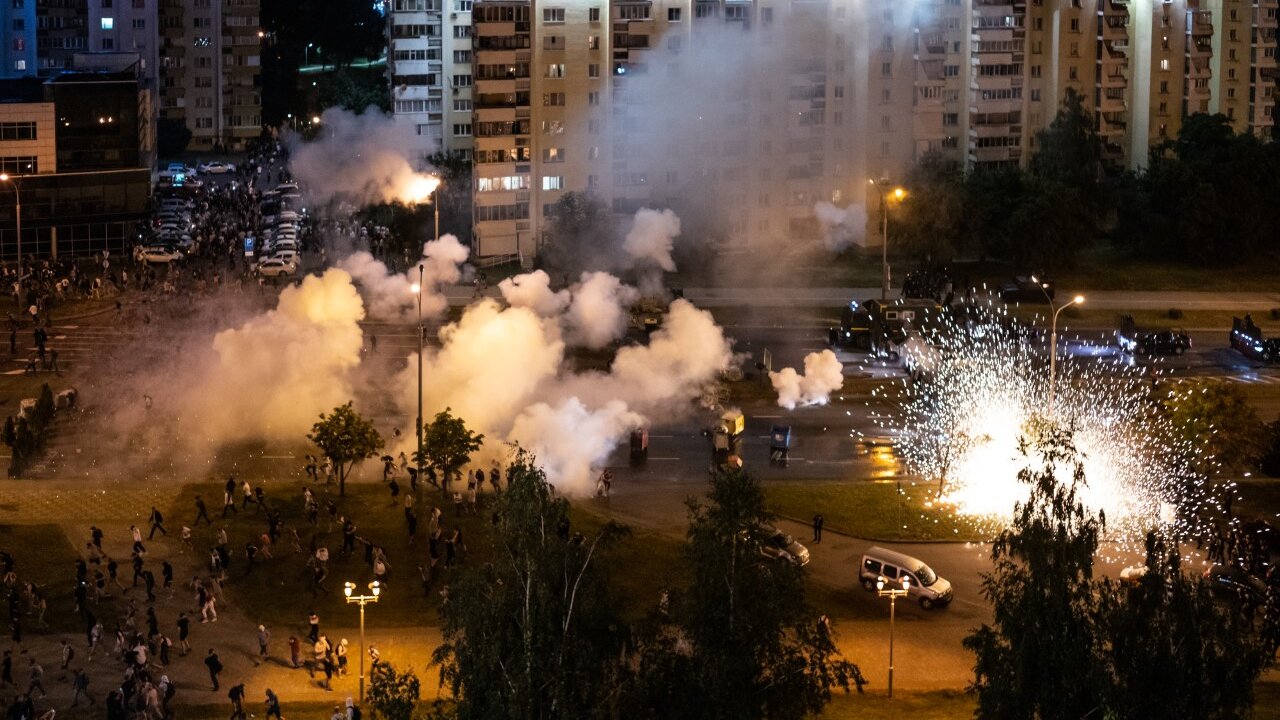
(1114, 27)
(1112, 102)
(1118, 7)
(1198, 69)
(1202, 25)
(1200, 48)
(1114, 78)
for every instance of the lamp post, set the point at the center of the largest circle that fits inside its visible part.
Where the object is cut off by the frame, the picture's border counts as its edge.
(306, 53)
(349, 589)
(1053, 337)
(883, 589)
(17, 199)
(898, 194)
(417, 290)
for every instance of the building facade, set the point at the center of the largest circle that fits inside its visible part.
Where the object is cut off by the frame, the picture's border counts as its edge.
(756, 110)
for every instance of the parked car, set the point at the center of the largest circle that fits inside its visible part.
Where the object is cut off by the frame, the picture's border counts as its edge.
(1232, 582)
(782, 546)
(1027, 289)
(217, 168)
(1249, 340)
(276, 267)
(926, 586)
(289, 256)
(161, 254)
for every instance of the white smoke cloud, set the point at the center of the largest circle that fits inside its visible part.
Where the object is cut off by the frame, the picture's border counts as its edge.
(598, 313)
(571, 441)
(270, 378)
(390, 295)
(823, 374)
(533, 290)
(841, 228)
(367, 158)
(652, 237)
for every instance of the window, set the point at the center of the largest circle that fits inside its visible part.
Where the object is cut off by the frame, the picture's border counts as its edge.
(555, 99)
(885, 96)
(553, 42)
(19, 64)
(1164, 64)
(633, 12)
(593, 152)
(462, 106)
(593, 127)
(593, 42)
(593, 14)
(553, 15)
(462, 56)
(593, 70)
(462, 129)
(19, 4)
(108, 23)
(1035, 95)
(766, 15)
(462, 81)
(19, 24)
(1073, 73)
(204, 81)
(201, 42)
(886, 69)
(18, 131)
(1075, 25)
(107, 44)
(139, 24)
(950, 119)
(204, 123)
(462, 5)
(204, 101)
(461, 32)
(105, 3)
(504, 183)
(553, 155)
(673, 14)
(23, 165)
(555, 70)
(593, 97)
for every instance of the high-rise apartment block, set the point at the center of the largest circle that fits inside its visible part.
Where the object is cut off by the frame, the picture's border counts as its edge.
(762, 109)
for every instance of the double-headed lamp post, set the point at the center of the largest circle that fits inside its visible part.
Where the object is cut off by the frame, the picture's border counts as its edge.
(898, 194)
(17, 199)
(349, 590)
(884, 589)
(1053, 338)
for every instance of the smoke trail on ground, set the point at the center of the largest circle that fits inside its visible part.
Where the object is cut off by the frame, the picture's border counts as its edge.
(823, 375)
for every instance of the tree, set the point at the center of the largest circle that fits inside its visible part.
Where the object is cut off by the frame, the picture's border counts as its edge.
(749, 644)
(454, 195)
(581, 237)
(1175, 652)
(1216, 425)
(393, 695)
(932, 216)
(534, 633)
(345, 438)
(1069, 150)
(1041, 656)
(447, 445)
(355, 90)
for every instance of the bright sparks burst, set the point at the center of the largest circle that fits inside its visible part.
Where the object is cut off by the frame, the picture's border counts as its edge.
(982, 384)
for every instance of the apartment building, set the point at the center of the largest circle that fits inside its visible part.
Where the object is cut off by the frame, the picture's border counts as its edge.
(754, 110)
(429, 71)
(18, 53)
(210, 63)
(62, 30)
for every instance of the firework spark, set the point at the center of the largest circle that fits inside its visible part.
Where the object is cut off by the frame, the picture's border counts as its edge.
(981, 385)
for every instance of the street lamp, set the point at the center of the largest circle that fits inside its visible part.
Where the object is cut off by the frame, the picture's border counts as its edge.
(898, 194)
(417, 290)
(348, 589)
(883, 589)
(1053, 336)
(17, 198)
(306, 53)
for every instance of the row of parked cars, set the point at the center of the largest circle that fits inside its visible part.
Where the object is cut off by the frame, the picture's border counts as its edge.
(280, 240)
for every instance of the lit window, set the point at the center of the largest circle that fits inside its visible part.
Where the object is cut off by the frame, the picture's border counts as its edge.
(553, 182)
(108, 23)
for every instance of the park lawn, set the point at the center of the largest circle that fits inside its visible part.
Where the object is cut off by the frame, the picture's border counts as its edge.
(43, 555)
(870, 510)
(639, 566)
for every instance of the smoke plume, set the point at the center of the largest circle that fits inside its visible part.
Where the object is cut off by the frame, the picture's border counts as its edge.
(823, 374)
(841, 228)
(390, 295)
(571, 441)
(533, 291)
(651, 238)
(366, 158)
(598, 313)
(270, 378)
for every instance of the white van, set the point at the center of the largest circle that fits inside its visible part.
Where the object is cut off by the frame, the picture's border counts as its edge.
(929, 589)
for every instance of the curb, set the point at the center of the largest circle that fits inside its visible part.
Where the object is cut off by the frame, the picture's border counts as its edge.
(853, 536)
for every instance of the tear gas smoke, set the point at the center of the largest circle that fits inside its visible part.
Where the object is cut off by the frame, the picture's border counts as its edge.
(270, 378)
(823, 374)
(652, 237)
(533, 291)
(598, 313)
(391, 296)
(570, 441)
(367, 158)
(841, 228)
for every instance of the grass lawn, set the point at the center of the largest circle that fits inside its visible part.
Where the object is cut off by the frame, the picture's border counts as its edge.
(639, 566)
(43, 555)
(871, 510)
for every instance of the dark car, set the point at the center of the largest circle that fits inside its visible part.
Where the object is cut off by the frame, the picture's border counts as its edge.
(1249, 340)
(1232, 582)
(1027, 289)
(1132, 339)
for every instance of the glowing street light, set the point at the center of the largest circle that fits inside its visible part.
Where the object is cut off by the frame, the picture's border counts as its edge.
(899, 194)
(375, 589)
(1053, 335)
(883, 589)
(17, 198)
